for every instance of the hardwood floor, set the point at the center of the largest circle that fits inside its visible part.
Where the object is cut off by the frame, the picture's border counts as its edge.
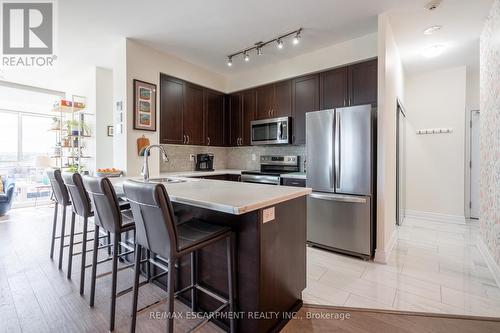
(37, 297)
(341, 319)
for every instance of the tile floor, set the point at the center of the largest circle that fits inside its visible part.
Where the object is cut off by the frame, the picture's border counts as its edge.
(435, 267)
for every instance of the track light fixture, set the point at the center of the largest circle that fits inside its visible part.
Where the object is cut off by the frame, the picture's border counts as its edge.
(258, 46)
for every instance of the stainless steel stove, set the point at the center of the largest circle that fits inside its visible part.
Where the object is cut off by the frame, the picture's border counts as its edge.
(271, 167)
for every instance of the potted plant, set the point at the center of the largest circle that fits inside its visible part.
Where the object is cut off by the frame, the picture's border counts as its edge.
(56, 124)
(73, 127)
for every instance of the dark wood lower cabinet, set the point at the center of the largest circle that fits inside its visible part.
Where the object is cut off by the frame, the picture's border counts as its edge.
(226, 177)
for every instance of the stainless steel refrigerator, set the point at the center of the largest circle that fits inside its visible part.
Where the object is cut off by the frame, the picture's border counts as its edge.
(340, 170)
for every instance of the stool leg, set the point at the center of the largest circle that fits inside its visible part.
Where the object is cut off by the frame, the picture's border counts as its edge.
(170, 294)
(84, 255)
(231, 279)
(54, 226)
(94, 265)
(61, 239)
(194, 281)
(114, 275)
(71, 244)
(137, 268)
(109, 243)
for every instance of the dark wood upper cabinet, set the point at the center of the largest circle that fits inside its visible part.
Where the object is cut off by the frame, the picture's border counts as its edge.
(235, 119)
(248, 114)
(282, 99)
(171, 110)
(193, 114)
(333, 88)
(305, 98)
(214, 118)
(264, 97)
(363, 83)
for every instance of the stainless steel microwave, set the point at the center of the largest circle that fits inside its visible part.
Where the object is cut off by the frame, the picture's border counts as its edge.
(271, 131)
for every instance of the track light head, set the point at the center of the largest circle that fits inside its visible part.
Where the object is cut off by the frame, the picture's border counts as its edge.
(296, 39)
(246, 57)
(280, 43)
(229, 61)
(259, 50)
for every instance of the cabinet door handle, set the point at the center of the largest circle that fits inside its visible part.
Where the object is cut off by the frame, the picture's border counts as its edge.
(269, 113)
(187, 139)
(350, 101)
(184, 138)
(208, 139)
(345, 103)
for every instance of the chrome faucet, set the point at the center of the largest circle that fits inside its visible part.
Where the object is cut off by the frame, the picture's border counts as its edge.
(145, 167)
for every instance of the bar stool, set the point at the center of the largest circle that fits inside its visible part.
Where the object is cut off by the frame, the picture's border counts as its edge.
(82, 207)
(109, 217)
(61, 197)
(157, 230)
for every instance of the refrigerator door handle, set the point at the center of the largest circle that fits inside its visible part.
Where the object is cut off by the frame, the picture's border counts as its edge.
(337, 149)
(338, 197)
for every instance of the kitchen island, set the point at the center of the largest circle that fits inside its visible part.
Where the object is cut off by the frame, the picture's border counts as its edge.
(270, 226)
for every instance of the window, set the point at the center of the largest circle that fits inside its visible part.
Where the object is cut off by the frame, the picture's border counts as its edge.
(25, 120)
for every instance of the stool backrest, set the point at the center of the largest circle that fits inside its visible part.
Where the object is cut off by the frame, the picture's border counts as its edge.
(154, 217)
(79, 197)
(58, 188)
(106, 207)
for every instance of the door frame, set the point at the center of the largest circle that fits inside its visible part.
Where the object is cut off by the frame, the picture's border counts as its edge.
(399, 110)
(468, 160)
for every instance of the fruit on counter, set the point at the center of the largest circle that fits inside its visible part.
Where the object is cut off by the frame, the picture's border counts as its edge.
(108, 170)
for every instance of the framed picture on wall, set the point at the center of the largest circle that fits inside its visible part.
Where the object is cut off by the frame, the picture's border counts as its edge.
(144, 106)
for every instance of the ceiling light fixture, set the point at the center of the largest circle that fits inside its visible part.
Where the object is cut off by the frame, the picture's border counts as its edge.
(433, 51)
(433, 29)
(258, 46)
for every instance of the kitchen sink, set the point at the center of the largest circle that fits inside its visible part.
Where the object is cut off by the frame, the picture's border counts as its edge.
(167, 180)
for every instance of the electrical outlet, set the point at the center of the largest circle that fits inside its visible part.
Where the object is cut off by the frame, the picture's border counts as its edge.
(192, 157)
(254, 157)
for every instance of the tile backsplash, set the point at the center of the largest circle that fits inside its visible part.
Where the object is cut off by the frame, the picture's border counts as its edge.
(241, 158)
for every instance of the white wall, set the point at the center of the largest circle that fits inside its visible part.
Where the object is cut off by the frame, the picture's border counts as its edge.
(103, 117)
(435, 163)
(391, 87)
(120, 141)
(146, 64)
(332, 56)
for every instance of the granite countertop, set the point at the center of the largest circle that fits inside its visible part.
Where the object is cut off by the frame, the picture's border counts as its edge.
(200, 173)
(295, 175)
(225, 196)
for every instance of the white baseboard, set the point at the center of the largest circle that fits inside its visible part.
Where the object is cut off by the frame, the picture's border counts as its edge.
(382, 255)
(434, 217)
(490, 261)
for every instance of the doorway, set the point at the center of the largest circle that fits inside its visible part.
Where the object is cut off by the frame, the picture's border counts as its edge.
(474, 164)
(400, 163)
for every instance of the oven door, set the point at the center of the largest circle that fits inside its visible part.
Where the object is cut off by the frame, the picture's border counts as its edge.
(270, 131)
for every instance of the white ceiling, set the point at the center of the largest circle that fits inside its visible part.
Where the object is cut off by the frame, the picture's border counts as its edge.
(462, 22)
(204, 32)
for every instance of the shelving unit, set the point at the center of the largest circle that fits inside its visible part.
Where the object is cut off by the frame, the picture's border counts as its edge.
(74, 135)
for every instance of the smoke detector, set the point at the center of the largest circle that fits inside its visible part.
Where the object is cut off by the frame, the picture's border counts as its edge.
(433, 5)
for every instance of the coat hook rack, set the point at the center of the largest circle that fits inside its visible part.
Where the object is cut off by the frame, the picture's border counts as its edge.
(434, 131)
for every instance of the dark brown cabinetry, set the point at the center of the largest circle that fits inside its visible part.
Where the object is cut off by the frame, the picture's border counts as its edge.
(274, 100)
(226, 177)
(214, 118)
(363, 83)
(171, 110)
(193, 114)
(190, 114)
(305, 98)
(241, 113)
(333, 88)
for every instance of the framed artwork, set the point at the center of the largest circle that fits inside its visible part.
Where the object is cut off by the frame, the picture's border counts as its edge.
(110, 131)
(144, 106)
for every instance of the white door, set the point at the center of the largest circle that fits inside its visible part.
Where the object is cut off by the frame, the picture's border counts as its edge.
(474, 165)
